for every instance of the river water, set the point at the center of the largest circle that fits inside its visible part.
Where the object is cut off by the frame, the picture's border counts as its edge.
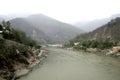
(64, 64)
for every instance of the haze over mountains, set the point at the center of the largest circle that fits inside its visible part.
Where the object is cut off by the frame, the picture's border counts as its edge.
(48, 30)
(109, 32)
(22, 24)
(45, 29)
(92, 25)
(86, 26)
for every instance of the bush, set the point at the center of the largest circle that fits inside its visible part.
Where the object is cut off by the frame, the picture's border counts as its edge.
(12, 36)
(16, 35)
(2, 41)
(94, 44)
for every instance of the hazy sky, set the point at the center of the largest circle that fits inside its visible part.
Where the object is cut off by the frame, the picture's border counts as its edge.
(63, 10)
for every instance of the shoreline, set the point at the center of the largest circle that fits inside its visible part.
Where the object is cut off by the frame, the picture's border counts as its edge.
(104, 52)
(24, 69)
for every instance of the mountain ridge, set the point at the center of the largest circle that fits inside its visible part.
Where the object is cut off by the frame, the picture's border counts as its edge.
(54, 31)
(92, 25)
(109, 31)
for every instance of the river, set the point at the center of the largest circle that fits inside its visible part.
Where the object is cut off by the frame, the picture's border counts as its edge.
(64, 64)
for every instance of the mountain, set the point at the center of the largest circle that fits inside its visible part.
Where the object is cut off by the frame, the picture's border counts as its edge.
(57, 31)
(22, 24)
(92, 25)
(109, 31)
(46, 28)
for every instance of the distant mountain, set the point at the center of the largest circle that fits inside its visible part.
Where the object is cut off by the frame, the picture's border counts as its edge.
(57, 31)
(13, 16)
(92, 25)
(109, 31)
(22, 24)
(46, 28)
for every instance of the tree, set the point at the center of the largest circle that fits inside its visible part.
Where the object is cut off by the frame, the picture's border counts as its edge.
(94, 44)
(1, 27)
(6, 29)
(4, 24)
(8, 25)
(86, 43)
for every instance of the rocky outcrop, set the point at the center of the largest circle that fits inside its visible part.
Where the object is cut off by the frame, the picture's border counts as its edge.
(115, 50)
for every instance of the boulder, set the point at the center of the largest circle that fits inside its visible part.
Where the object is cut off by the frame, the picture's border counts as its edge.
(116, 49)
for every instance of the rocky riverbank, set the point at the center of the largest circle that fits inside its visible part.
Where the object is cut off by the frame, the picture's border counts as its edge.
(20, 69)
(114, 51)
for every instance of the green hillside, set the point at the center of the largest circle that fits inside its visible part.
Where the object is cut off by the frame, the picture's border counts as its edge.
(16, 49)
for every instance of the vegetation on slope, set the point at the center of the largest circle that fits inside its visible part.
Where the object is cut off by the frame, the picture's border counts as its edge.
(29, 29)
(104, 37)
(15, 48)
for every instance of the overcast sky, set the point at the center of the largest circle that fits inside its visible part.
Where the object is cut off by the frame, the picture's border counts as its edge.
(64, 10)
